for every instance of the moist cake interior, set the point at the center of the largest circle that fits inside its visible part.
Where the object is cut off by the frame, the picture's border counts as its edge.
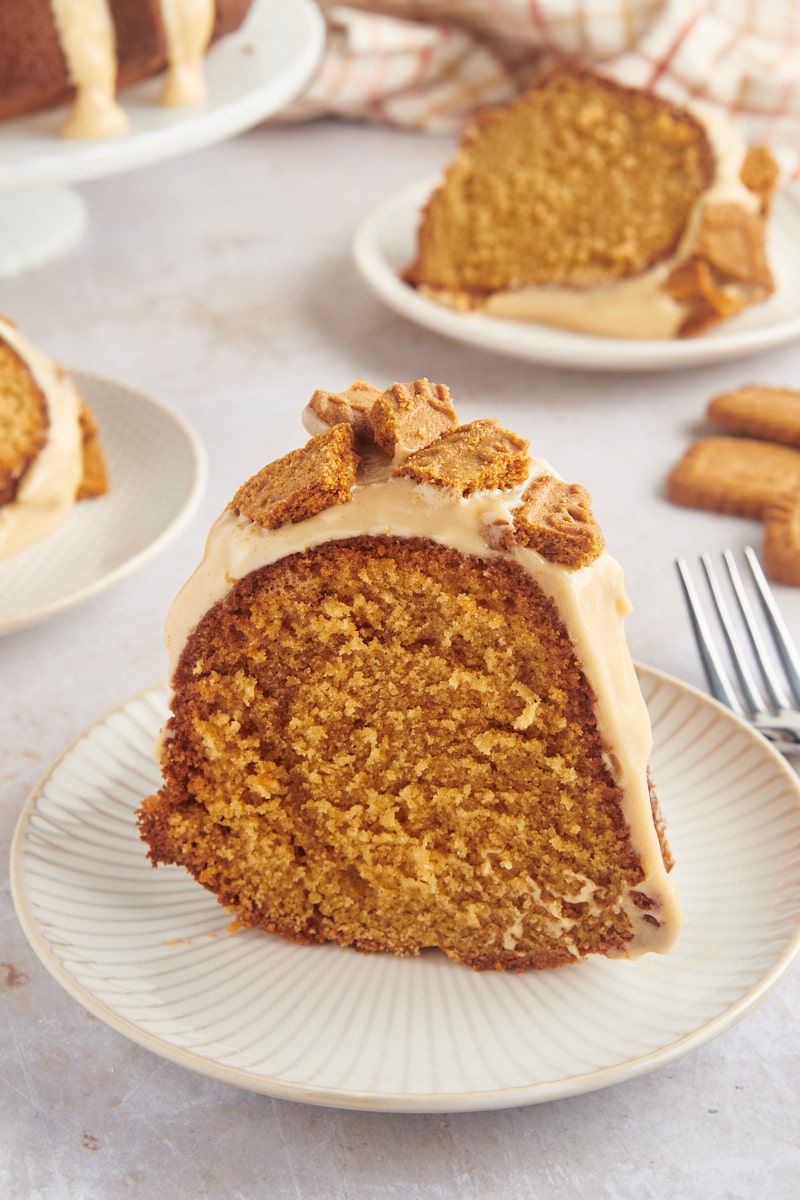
(578, 182)
(403, 711)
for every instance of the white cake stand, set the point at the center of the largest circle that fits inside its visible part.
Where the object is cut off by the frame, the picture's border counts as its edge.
(251, 74)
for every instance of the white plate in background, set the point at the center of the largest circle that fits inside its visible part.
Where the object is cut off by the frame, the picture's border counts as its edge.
(157, 473)
(150, 952)
(385, 243)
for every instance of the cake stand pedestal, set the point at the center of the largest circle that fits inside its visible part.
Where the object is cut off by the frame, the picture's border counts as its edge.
(37, 225)
(251, 75)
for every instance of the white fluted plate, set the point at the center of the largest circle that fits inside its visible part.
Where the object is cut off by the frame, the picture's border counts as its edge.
(149, 952)
(385, 243)
(157, 472)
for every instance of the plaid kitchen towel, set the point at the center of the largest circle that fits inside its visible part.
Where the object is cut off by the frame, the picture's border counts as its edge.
(430, 64)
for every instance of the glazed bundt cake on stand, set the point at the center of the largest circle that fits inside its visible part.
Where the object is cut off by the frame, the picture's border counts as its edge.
(55, 52)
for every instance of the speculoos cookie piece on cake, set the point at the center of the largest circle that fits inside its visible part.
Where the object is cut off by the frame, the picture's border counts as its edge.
(473, 458)
(555, 518)
(303, 482)
(409, 416)
(351, 406)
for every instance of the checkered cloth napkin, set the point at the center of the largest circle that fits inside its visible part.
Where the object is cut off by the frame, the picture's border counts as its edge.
(430, 64)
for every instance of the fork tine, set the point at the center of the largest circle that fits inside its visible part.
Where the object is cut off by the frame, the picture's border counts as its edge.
(746, 680)
(783, 640)
(718, 679)
(773, 684)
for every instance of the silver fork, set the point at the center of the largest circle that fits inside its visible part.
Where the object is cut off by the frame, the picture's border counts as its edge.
(775, 712)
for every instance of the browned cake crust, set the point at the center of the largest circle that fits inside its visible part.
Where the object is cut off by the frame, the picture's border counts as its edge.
(94, 481)
(578, 182)
(23, 421)
(390, 778)
(24, 425)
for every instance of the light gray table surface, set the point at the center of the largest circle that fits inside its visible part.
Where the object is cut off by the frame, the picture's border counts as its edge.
(222, 283)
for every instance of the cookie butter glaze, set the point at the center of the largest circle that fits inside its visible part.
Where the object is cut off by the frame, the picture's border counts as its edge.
(592, 604)
(86, 33)
(636, 307)
(47, 491)
(188, 25)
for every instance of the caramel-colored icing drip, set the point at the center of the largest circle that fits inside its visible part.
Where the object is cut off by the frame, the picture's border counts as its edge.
(86, 32)
(188, 25)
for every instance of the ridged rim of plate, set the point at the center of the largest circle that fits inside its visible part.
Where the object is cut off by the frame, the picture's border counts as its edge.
(252, 73)
(148, 952)
(385, 243)
(157, 471)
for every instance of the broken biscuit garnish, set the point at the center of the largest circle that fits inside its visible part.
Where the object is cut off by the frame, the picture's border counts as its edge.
(350, 407)
(409, 416)
(556, 519)
(472, 458)
(303, 482)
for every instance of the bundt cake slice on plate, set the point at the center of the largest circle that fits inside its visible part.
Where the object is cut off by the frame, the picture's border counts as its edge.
(403, 711)
(599, 208)
(50, 449)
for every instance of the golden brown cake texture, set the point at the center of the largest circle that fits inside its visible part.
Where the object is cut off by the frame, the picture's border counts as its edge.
(35, 68)
(49, 443)
(386, 738)
(23, 421)
(583, 184)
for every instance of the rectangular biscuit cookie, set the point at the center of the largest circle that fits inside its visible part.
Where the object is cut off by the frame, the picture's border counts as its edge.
(734, 475)
(759, 411)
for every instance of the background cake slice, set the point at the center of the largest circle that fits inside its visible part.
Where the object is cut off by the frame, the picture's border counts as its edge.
(50, 447)
(599, 208)
(403, 711)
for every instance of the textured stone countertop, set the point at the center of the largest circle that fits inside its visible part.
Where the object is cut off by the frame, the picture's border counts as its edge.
(222, 283)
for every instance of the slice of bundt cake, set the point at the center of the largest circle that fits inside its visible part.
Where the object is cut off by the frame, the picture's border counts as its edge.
(599, 208)
(50, 450)
(54, 52)
(403, 711)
